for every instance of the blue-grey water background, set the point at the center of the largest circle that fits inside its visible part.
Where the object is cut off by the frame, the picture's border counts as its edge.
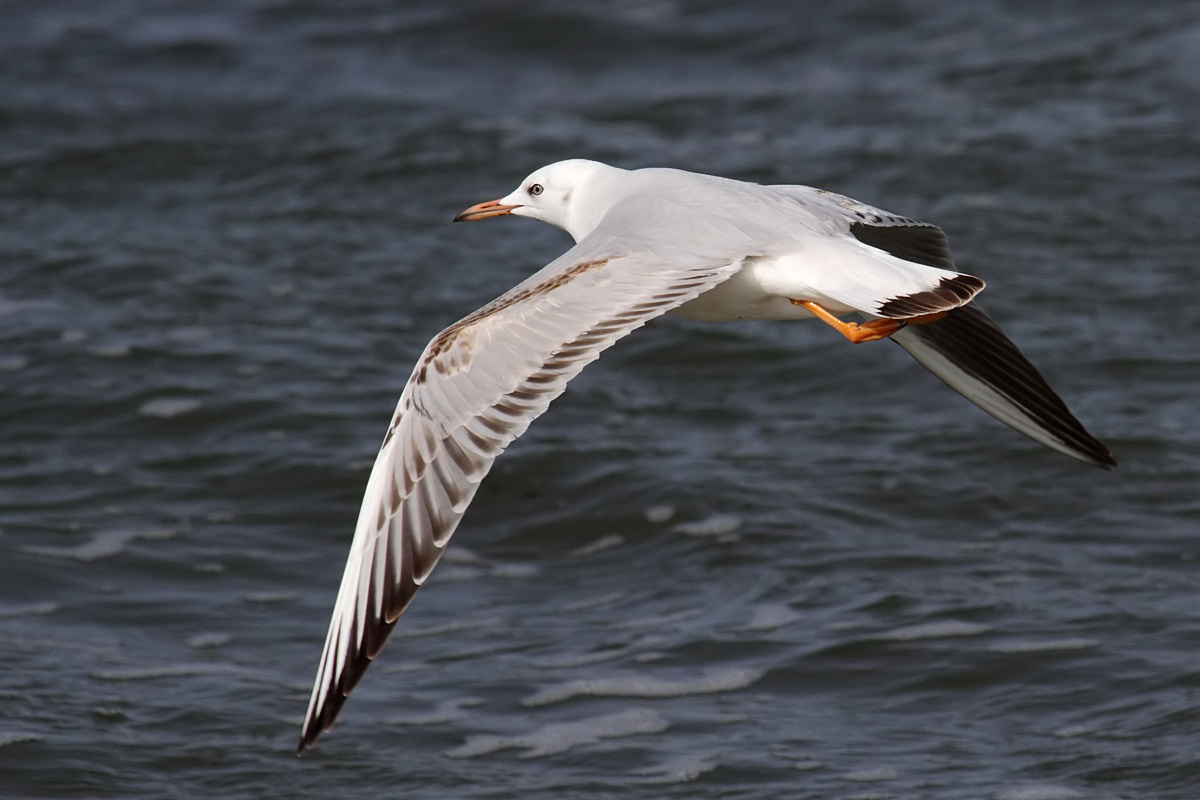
(745, 561)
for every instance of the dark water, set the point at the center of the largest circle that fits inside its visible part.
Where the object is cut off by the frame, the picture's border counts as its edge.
(733, 561)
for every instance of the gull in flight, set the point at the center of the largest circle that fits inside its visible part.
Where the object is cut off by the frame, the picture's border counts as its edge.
(650, 241)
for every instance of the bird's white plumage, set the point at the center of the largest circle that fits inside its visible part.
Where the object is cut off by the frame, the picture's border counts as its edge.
(648, 242)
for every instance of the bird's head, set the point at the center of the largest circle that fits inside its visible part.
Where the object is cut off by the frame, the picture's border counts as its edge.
(571, 195)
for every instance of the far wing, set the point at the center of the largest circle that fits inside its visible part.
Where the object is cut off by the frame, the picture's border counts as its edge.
(477, 387)
(968, 351)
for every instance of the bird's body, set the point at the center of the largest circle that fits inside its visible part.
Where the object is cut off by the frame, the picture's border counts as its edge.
(649, 242)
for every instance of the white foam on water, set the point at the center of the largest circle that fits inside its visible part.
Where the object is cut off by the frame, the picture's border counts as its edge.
(460, 555)
(716, 525)
(478, 571)
(514, 570)
(166, 671)
(874, 775)
(771, 617)
(102, 545)
(27, 610)
(265, 598)
(1042, 645)
(168, 407)
(209, 641)
(450, 627)
(559, 737)
(446, 711)
(603, 543)
(660, 514)
(1073, 731)
(17, 737)
(935, 630)
(678, 770)
(1039, 792)
(711, 681)
(582, 660)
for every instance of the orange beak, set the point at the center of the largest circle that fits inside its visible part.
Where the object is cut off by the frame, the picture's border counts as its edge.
(492, 208)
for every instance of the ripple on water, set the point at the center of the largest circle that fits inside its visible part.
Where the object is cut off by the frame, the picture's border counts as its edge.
(559, 737)
(168, 671)
(677, 770)
(711, 681)
(168, 407)
(603, 543)
(446, 711)
(27, 609)
(935, 630)
(772, 617)
(719, 526)
(102, 545)
(1042, 645)
(1039, 792)
(871, 775)
(209, 641)
(18, 737)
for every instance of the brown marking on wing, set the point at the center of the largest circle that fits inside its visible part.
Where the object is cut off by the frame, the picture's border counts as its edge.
(455, 333)
(949, 294)
(391, 431)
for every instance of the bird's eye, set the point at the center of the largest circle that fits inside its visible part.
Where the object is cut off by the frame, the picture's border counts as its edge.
(536, 189)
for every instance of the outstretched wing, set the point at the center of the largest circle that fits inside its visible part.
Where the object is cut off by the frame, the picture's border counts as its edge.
(968, 351)
(477, 387)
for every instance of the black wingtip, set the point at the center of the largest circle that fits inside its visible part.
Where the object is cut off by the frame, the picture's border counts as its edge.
(1105, 460)
(308, 737)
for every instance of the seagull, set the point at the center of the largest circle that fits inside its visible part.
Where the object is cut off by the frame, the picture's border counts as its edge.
(648, 242)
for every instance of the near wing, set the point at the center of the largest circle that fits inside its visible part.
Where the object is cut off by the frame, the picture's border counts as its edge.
(477, 387)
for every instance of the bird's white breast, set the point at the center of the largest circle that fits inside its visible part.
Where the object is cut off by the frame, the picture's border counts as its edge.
(762, 289)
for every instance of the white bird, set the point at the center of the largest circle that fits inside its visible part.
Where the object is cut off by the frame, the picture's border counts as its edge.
(650, 241)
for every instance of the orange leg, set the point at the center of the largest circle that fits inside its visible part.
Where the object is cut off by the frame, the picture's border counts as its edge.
(869, 331)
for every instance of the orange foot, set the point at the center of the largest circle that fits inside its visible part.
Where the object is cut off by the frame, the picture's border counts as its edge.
(869, 331)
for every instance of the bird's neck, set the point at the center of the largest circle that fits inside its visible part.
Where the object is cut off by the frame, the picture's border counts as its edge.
(593, 198)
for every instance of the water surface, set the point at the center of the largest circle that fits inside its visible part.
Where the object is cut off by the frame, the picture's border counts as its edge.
(732, 561)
